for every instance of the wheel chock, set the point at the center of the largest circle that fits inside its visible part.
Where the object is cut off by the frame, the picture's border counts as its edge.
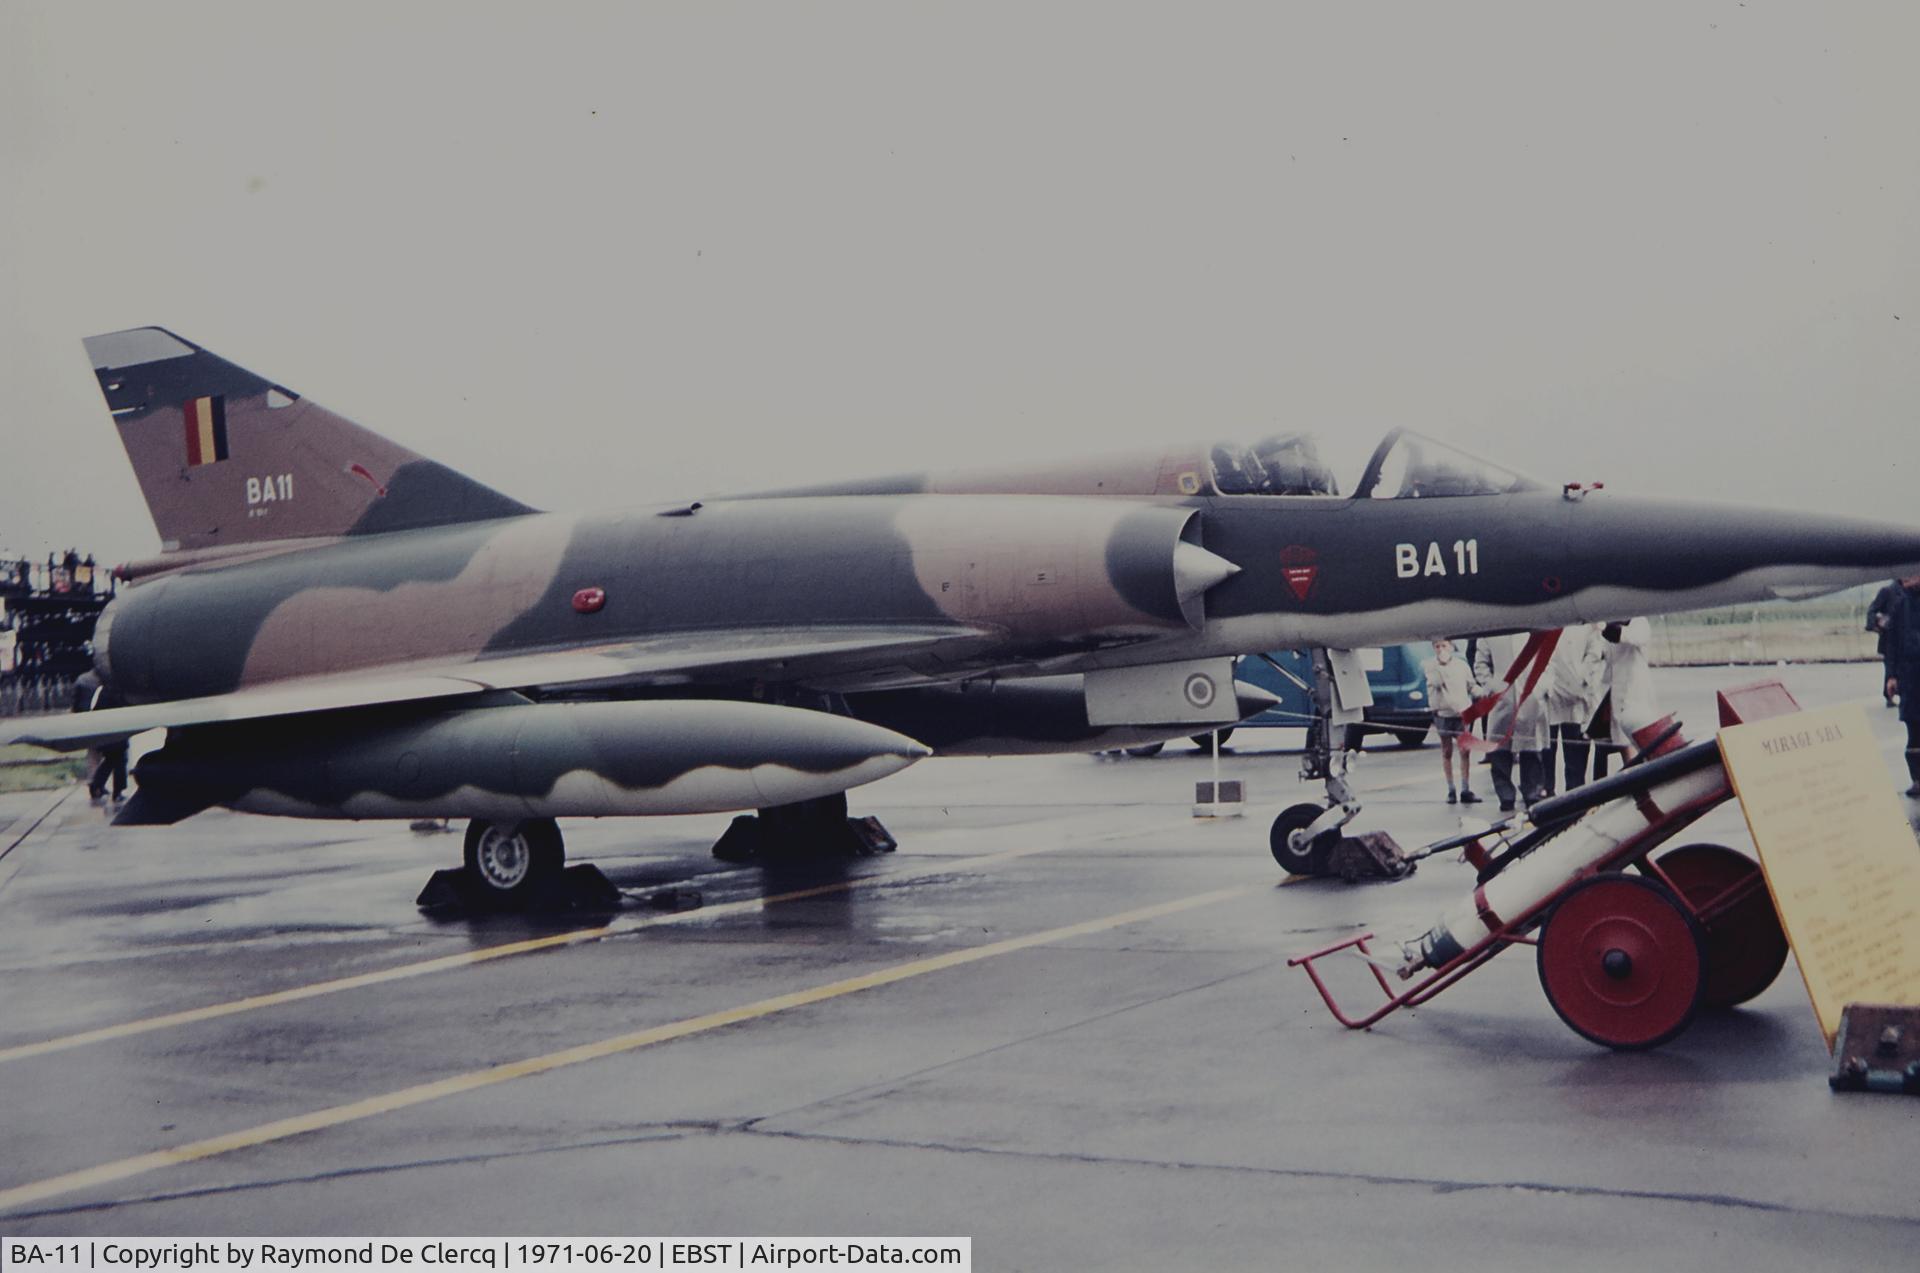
(580, 889)
(740, 842)
(870, 837)
(749, 839)
(1371, 855)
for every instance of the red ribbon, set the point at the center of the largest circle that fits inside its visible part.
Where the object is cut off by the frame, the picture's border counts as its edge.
(1533, 659)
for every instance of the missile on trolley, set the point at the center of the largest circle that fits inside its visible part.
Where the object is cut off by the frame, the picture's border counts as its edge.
(522, 760)
(1608, 816)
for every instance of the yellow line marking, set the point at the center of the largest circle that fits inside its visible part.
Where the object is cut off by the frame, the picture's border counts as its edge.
(45, 813)
(10, 865)
(467, 959)
(399, 973)
(334, 1116)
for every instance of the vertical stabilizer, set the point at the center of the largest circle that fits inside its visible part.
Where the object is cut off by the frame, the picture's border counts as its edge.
(227, 458)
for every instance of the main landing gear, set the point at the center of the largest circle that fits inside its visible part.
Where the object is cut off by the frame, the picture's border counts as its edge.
(518, 866)
(513, 859)
(808, 830)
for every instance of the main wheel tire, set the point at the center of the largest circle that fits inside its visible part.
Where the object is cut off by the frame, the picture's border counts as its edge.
(511, 860)
(1144, 750)
(1622, 962)
(1205, 741)
(1310, 859)
(1409, 738)
(1745, 946)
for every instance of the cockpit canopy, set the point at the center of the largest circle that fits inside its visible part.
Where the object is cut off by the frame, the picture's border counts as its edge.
(1284, 464)
(1406, 465)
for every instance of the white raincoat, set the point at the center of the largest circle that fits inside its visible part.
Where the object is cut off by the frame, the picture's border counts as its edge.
(1492, 659)
(1630, 680)
(1579, 676)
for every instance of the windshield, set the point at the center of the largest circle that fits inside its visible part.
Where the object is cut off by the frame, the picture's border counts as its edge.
(1409, 465)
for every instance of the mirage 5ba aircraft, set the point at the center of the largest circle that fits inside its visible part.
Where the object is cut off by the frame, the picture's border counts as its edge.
(337, 627)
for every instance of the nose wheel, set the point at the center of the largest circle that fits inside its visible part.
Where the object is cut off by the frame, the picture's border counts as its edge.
(1310, 857)
(1622, 963)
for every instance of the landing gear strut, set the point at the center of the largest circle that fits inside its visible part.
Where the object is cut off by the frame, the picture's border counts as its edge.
(809, 829)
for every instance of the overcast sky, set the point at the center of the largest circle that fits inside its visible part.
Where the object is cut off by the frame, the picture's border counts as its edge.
(595, 254)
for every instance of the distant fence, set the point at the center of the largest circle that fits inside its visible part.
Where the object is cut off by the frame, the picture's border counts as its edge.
(23, 694)
(1826, 630)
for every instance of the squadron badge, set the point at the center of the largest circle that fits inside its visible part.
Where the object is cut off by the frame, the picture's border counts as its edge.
(1301, 566)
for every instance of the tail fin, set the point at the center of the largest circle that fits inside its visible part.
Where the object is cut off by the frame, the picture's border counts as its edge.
(226, 458)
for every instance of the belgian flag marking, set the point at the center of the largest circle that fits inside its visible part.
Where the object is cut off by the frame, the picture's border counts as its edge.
(206, 430)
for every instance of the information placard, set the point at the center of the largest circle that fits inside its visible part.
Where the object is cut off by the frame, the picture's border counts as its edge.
(1839, 857)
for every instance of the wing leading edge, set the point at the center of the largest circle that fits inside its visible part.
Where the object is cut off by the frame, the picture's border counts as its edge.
(669, 659)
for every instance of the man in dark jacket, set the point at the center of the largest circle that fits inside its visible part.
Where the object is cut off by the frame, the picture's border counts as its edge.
(1877, 622)
(109, 761)
(1902, 667)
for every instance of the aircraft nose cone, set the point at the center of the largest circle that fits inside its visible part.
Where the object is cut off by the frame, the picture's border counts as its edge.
(1880, 548)
(1654, 556)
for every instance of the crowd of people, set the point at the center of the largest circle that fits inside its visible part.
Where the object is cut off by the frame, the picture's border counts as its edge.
(1596, 688)
(1577, 706)
(47, 611)
(60, 573)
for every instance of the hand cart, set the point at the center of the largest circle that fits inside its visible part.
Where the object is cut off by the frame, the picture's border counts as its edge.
(1629, 947)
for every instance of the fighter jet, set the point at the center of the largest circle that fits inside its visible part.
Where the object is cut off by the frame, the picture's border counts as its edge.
(337, 627)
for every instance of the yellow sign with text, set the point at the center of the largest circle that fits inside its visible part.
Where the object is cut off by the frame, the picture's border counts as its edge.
(1839, 857)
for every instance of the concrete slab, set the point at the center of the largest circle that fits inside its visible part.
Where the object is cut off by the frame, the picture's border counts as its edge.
(1146, 1093)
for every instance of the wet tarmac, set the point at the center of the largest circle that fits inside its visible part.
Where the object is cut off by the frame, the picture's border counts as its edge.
(1058, 1019)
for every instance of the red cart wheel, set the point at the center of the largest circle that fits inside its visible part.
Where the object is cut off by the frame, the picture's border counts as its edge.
(1621, 962)
(1745, 946)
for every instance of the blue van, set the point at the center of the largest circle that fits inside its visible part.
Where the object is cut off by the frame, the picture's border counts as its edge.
(1400, 709)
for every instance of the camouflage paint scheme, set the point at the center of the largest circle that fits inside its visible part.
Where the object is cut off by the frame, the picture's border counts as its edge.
(326, 593)
(516, 759)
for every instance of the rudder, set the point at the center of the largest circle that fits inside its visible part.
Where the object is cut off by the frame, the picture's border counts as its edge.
(225, 457)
